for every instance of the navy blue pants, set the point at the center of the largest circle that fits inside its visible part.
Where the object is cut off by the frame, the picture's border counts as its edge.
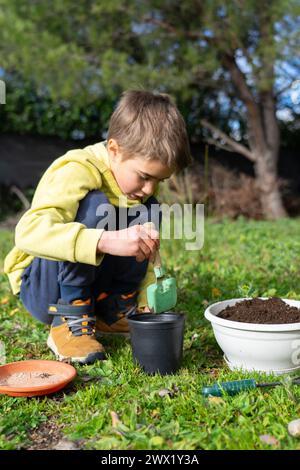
(44, 282)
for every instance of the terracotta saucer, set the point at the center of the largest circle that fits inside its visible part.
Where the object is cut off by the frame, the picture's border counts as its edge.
(34, 377)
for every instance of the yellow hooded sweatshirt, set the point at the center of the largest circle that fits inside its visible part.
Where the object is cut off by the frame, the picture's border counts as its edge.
(47, 229)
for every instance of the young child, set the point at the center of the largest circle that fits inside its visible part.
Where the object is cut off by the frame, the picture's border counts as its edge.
(75, 266)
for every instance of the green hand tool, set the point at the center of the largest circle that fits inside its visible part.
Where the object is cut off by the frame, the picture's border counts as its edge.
(237, 386)
(162, 295)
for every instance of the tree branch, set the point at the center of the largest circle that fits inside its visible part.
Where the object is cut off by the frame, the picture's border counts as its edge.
(238, 79)
(255, 122)
(172, 29)
(21, 196)
(231, 144)
(214, 142)
(228, 61)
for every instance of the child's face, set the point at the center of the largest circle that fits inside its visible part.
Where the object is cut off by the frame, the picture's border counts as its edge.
(136, 177)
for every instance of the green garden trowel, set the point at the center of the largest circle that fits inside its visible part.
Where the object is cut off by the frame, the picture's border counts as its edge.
(161, 296)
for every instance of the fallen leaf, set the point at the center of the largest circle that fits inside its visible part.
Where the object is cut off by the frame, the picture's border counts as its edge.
(270, 440)
(157, 441)
(215, 292)
(4, 301)
(169, 392)
(165, 392)
(216, 400)
(65, 444)
(294, 428)
(115, 421)
(214, 372)
(87, 378)
(155, 413)
(15, 310)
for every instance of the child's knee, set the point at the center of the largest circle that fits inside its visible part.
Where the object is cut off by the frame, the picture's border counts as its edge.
(39, 288)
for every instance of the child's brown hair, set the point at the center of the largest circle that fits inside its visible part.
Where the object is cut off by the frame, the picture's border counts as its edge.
(149, 125)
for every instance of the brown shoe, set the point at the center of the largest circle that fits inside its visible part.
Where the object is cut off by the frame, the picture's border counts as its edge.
(112, 311)
(72, 333)
(119, 327)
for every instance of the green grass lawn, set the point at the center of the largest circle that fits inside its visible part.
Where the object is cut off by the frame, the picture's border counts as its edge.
(238, 259)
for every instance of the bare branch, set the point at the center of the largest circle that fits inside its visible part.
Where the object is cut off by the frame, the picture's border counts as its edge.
(162, 24)
(218, 144)
(21, 196)
(173, 30)
(230, 143)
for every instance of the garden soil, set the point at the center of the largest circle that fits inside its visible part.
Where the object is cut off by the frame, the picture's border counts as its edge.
(270, 311)
(29, 379)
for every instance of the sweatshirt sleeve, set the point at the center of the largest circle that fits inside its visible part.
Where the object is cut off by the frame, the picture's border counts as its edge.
(48, 230)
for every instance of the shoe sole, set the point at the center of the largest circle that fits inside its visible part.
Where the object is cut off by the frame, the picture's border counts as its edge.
(82, 360)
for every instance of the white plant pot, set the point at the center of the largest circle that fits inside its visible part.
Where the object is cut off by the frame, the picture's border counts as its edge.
(266, 348)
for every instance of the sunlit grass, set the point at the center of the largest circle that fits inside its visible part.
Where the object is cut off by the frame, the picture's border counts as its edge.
(238, 259)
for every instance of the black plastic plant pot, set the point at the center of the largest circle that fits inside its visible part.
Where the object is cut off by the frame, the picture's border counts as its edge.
(157, 341)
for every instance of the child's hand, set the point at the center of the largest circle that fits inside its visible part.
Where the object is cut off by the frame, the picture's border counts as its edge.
(139, 241)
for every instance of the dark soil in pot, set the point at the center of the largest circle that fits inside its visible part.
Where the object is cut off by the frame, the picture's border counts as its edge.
(269, 311)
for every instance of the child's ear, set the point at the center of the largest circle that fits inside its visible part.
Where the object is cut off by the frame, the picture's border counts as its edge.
(114, 150)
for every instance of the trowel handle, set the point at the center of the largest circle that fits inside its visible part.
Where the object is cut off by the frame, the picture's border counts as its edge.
(159, 271)
(157, 259)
